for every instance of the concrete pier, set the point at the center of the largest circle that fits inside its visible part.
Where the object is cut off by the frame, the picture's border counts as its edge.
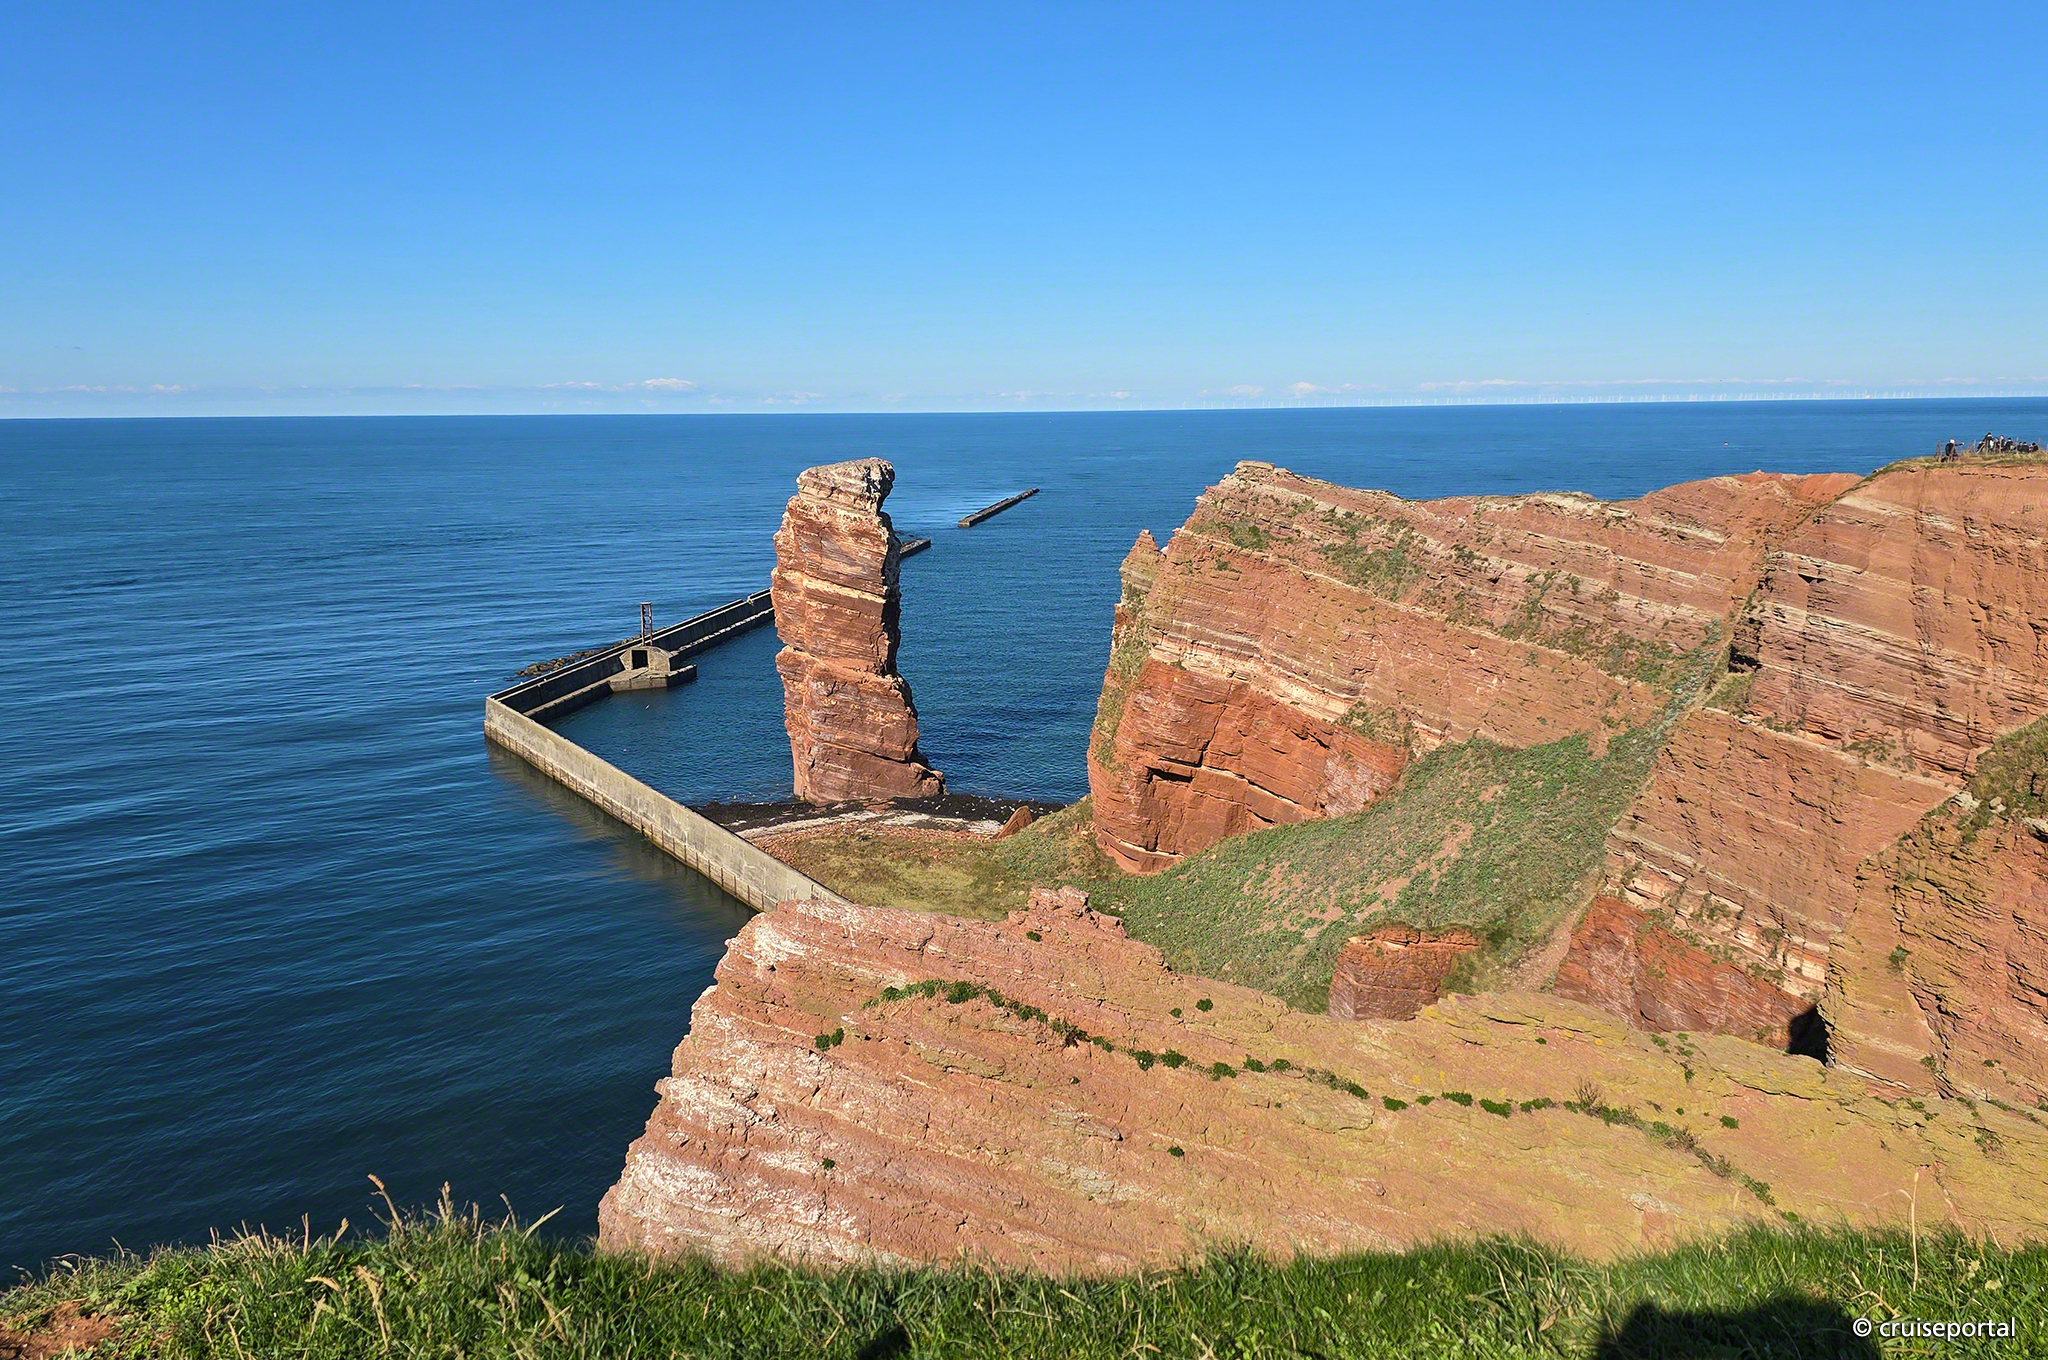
(654, 657)
(997, 509)
(512, 721)
(753, 876)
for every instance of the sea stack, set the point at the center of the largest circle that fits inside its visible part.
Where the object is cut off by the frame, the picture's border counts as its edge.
(852, 724)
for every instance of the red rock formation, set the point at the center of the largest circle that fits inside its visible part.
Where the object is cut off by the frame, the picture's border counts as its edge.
(1941, 973)
(852, 725)
(1666, 982)
(1905, 620)
(1297, 641)
(811, 1116)
(1898, 631)
(1393, 972)
(1748, 839)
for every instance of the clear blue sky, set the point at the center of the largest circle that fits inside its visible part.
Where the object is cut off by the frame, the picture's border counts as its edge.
(211, 208)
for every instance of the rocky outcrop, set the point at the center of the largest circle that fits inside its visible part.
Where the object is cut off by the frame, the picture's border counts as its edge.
(1940, 975)
(1297, 642)
(1053, 1097)
(1899, 630)
(852, 724)
(1666, 983)
(1393, 972)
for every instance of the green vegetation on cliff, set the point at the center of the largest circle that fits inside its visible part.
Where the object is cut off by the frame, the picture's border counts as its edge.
(1500, 841)
(450, 1285)
(1496, 840)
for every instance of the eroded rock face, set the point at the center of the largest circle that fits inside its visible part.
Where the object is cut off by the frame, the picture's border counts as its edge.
(814, 1114)
(1898, 632)
(1667, 983)
(852, 724)
(1393, 972)
(1298, 641)
(1941, 974)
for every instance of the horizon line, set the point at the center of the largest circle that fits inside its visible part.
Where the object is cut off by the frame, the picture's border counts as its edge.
(1241, 405)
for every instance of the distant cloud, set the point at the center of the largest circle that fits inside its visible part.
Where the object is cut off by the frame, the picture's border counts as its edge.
(1244, 390)
(1301, 391)
(168, 389)
(792, 398)
(670, 384)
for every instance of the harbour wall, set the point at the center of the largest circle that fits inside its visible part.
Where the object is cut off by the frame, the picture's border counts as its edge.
(512, 720)
(586, 681)
(753, 876)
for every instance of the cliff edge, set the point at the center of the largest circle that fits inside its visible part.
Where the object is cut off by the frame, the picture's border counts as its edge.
(865, 1084)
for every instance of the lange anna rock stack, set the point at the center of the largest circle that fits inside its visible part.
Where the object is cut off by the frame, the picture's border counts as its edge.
(852, 725)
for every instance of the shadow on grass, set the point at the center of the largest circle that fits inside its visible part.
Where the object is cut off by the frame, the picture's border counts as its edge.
(1783, 1329)
(890, 1342)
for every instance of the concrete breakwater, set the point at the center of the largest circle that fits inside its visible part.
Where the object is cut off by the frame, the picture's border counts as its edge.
(968, 522)
(607, 669)
(753, 876)
(511, 721)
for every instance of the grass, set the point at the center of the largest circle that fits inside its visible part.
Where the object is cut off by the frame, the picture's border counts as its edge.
(2011, 778)
(448, 1283)
(1496, 840)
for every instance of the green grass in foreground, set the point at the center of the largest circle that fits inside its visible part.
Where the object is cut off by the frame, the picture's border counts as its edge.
(449, 1285)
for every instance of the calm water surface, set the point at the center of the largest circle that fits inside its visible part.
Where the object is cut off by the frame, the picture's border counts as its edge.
(274, 918)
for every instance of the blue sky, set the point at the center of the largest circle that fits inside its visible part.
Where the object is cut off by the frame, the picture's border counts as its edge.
(428, 208)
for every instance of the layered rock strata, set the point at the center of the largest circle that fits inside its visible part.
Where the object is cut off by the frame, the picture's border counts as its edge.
(1940, 976)
(1623, 961)
(1297, 642)
(1898, 632)
(1393, 972)
(852, 724)
(1042, 1104)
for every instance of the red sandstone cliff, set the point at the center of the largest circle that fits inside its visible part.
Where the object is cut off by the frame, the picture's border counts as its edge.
(1055, 1097)
(1897, 633)
(1297, 641)
(852, 725)
(819, 1111)
(1940, 974)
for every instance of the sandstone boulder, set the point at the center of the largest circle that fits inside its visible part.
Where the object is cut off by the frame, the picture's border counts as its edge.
(1393, 972)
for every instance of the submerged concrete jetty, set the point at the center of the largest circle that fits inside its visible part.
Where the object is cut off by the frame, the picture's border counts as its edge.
(989, 510)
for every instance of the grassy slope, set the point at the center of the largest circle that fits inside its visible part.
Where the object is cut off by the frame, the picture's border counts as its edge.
(1497, 840)
(448, 1285)
(1501, 841)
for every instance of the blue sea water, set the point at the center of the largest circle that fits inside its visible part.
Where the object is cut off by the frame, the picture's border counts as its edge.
(272, 916)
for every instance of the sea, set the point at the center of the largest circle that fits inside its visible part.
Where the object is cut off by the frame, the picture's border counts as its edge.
(275, 920)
